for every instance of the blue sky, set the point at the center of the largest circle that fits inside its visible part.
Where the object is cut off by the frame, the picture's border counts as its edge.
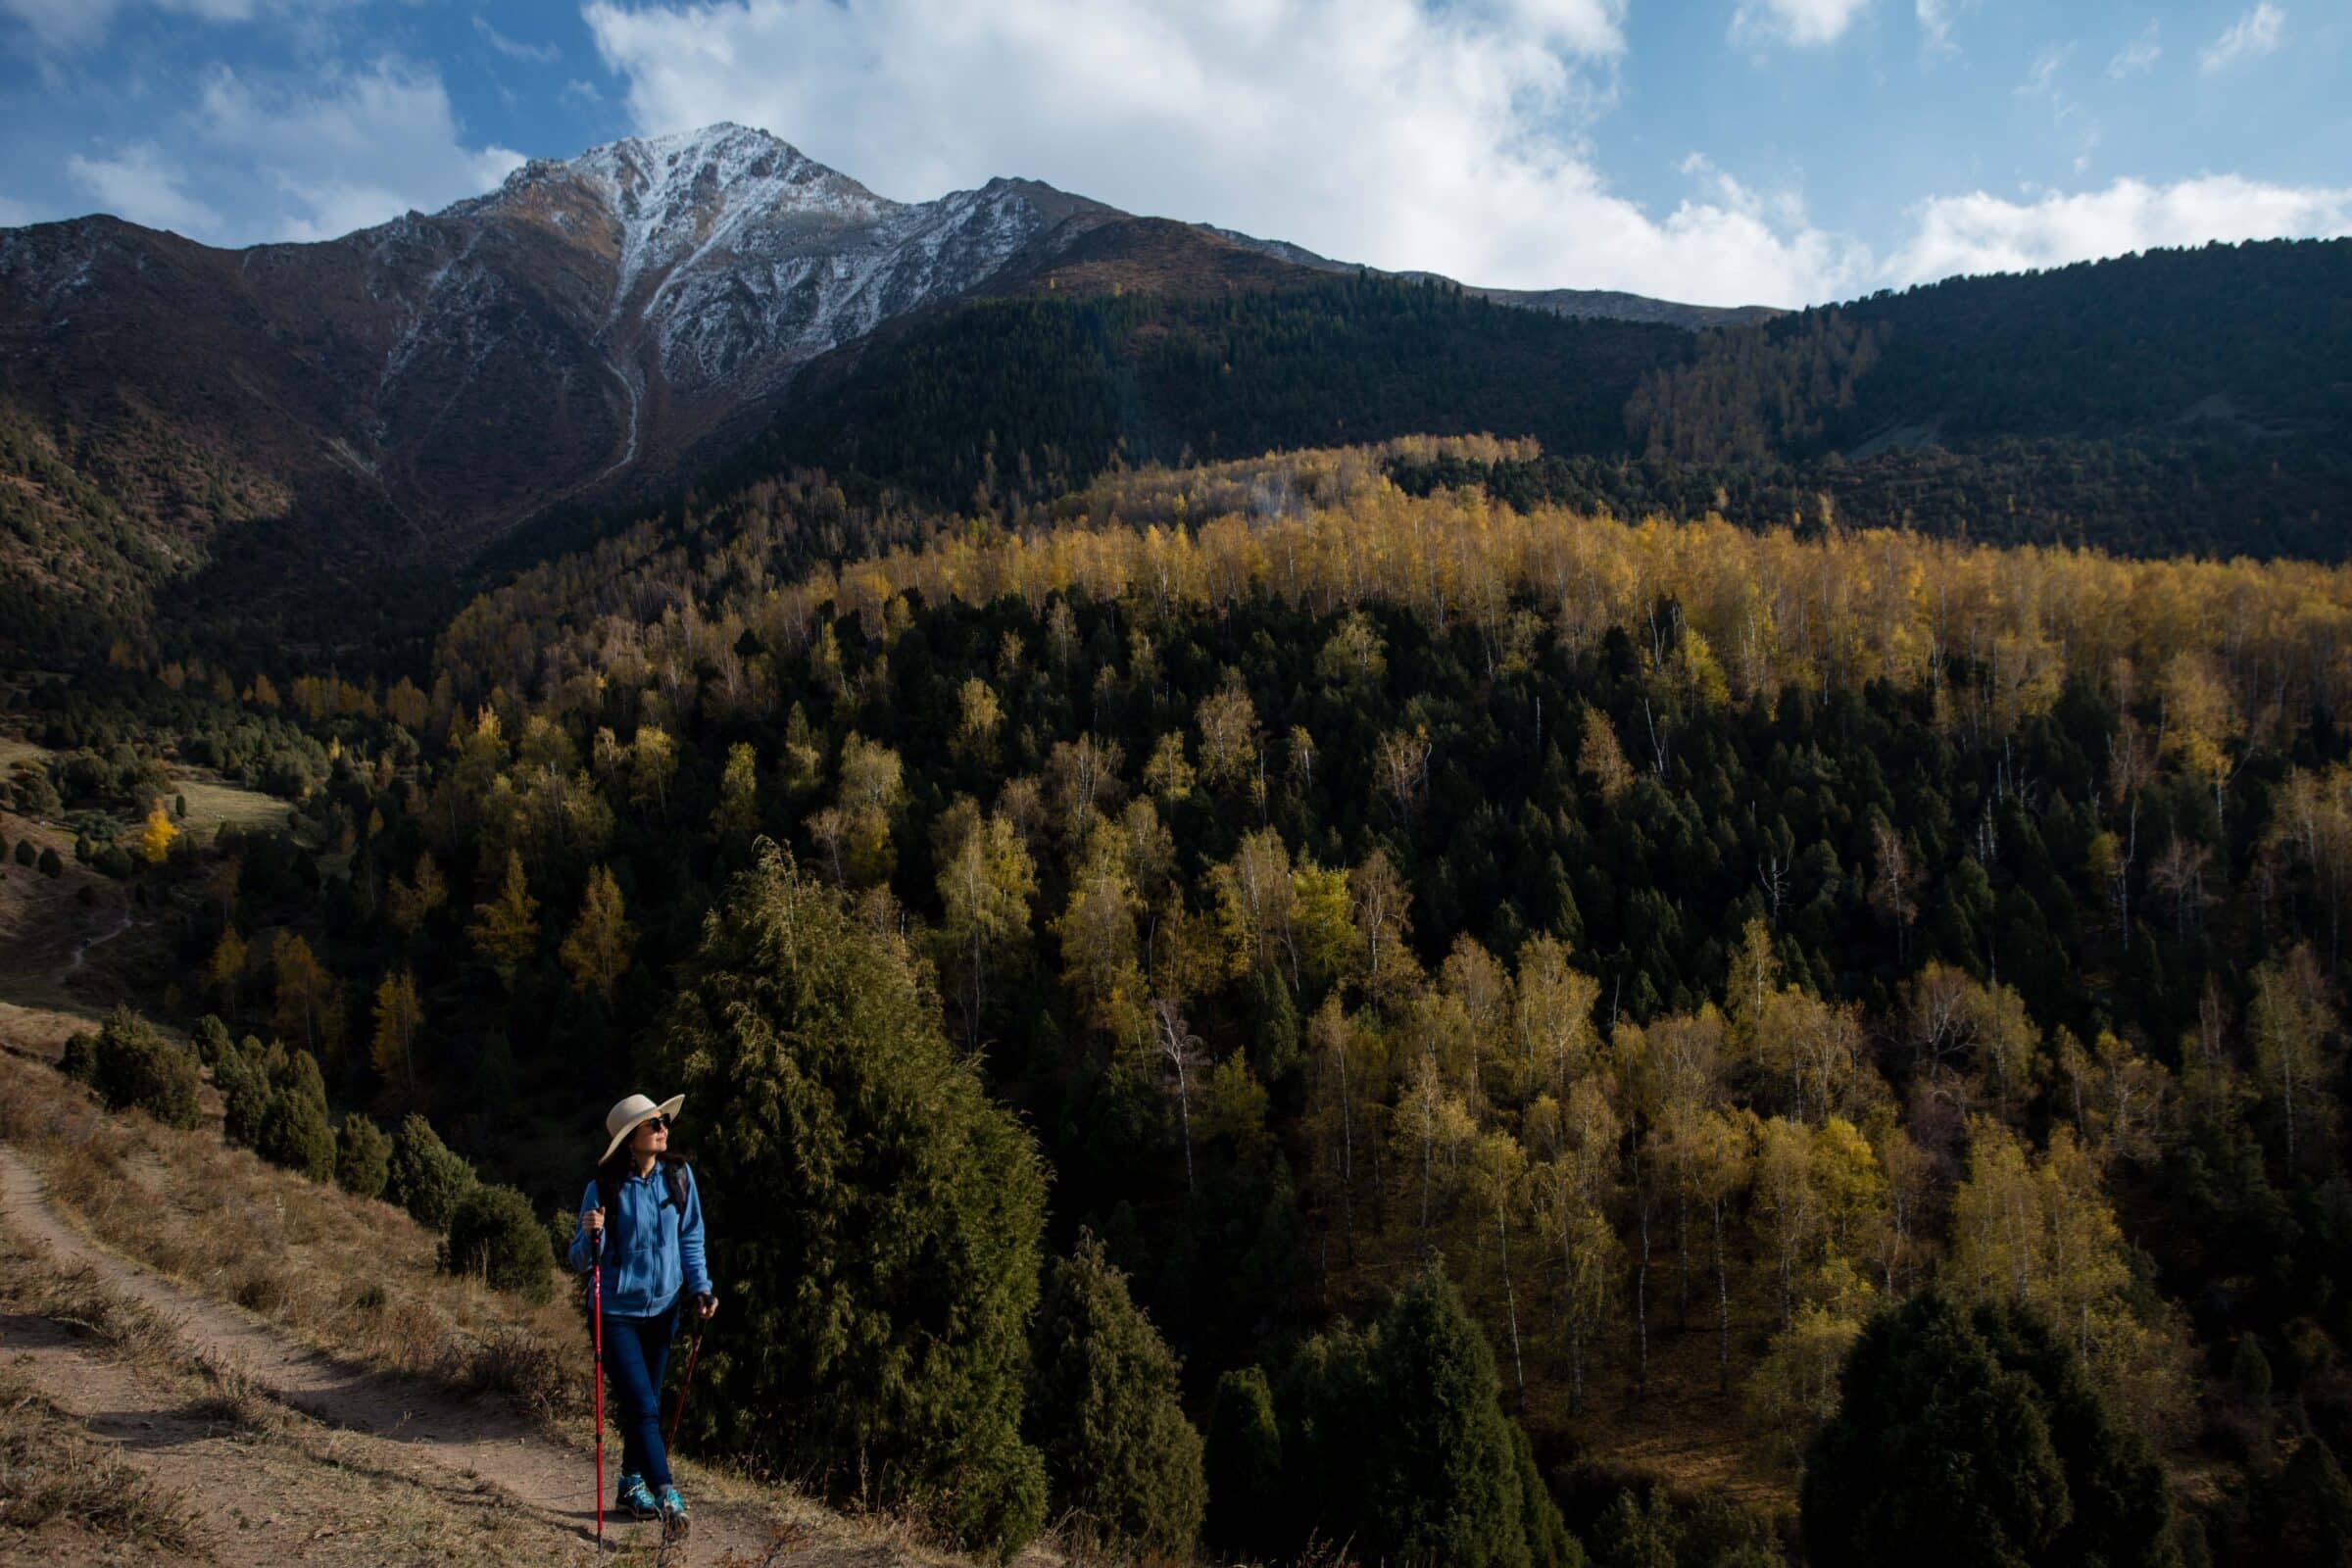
(1724, 151)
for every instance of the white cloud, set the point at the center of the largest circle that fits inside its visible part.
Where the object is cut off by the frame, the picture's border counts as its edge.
(140, 184)
(2250, 36)
(1935, 18)
(2068, 117)
(2135, 56)
(1804, 24)
(514, 49)
(1984, 233)
(1586, 26)
(1405, 134)
(15, 214)
(60, 24)
(68, 25)
(1387, 132)
(344, 151)
(2042, 76)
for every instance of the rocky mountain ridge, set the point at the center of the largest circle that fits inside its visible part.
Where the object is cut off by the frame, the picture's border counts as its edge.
(596, 329)
(589, 320)
(1581, 304)
(608, 312)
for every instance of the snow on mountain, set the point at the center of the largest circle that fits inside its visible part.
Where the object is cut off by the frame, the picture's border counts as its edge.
(595, 325)
(734, 257)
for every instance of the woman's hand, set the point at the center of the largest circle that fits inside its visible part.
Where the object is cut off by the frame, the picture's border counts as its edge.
(593, 1222)
(704, 1305)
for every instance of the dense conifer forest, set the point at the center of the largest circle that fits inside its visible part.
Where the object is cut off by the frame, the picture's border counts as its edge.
(2181, 402)
(1430, 1018)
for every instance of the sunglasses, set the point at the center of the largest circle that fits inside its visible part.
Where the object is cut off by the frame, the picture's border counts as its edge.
(660, 1124)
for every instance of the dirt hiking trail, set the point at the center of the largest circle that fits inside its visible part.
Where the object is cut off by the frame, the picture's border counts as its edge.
(395, 1427)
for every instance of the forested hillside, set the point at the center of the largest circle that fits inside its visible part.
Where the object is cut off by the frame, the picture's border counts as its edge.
(2173, 403)
(2182, 402)
(1673, 945)
(1008, 407)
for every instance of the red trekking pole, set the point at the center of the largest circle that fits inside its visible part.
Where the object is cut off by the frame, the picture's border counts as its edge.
(595, 1316)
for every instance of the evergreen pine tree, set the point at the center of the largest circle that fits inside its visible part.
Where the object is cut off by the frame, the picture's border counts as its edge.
(244, 1084)
(362, 1158)
(1242, 1460)
(213, 1041)
(1976, 1439)
(1104, 1411)
(427, 1179)
(889, 1283)
(1443, 1480)
(294, 1133)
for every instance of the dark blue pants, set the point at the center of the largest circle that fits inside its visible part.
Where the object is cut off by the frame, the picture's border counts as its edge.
(636, 1349)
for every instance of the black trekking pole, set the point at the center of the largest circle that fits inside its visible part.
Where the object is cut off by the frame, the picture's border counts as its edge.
(679, 1414)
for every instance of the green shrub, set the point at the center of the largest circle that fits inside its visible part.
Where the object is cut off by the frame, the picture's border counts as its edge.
(296, 1071)
(81, 1059)
(135, 1065)
(212, 1042)
(251, 1075)
(362, 1158)
(27, 854)
(244, 1085)
(294, 1133)
(1104, 1409)
(563, 1224)
(493, 1234)
(52, 865)
(114, 860)
(426, 1179)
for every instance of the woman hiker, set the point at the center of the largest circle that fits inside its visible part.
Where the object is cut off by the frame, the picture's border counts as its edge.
(653, 1253)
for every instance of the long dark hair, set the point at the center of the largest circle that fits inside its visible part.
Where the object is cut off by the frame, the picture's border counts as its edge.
(618, 1168)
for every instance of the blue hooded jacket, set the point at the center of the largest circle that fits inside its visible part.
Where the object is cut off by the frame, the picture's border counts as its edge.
(651, 1248)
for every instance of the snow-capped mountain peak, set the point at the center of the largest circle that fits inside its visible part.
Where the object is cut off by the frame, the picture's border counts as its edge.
(734, 256)
(596, 323)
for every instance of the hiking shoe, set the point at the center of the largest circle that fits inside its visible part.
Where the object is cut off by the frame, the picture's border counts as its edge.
(635, 1498)
(674, 1515)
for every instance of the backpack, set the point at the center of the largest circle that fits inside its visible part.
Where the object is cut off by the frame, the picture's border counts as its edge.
(673, 1182)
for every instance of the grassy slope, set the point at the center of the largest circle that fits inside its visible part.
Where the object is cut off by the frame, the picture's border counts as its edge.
(354, 1278)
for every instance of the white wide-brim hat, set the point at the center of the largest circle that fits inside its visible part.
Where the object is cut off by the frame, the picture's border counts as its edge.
(622, 1120)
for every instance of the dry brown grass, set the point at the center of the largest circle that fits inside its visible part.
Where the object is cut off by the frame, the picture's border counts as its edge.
(355, 1279)
(352, 1277)
(783, 1543)
(51, 1472)
(73, 1297)
(278, 1465)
